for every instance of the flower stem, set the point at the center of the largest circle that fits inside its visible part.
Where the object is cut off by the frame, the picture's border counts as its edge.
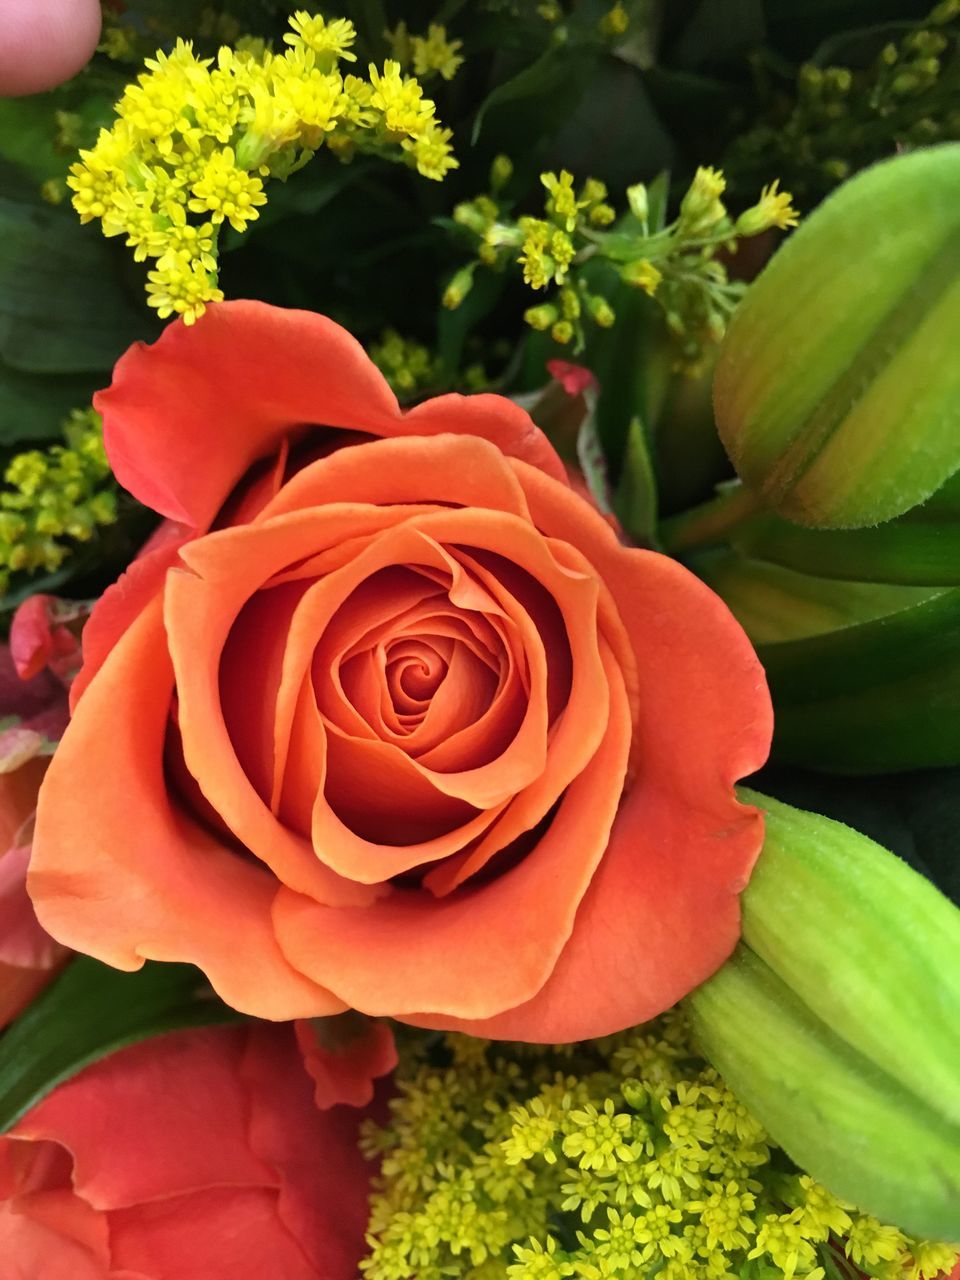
(709, 523)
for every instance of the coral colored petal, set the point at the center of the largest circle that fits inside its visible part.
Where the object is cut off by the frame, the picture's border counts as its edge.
(119, 873)
(199, 616)
(324, 1178)
(343, 1056)
(23, 943)
(175, 1139)
(452, 469)
(705, 717)
(661, 915)
(492, 418)
(215, 1234)
(53, 1235)
(125, 600)
(185, 418)
(479, 950)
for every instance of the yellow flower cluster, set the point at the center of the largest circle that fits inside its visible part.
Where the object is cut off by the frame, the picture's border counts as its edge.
(407, 365)
(432, 54)
(55, 494)
(616, 1158)
(196, 139)
(675, 263)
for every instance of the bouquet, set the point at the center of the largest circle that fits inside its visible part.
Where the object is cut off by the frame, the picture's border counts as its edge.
(480, 571)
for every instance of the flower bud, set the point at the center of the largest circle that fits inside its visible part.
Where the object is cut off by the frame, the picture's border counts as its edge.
(836, 402)
(642, 274)
(458, 288)
(638, 201)
(837, 1021)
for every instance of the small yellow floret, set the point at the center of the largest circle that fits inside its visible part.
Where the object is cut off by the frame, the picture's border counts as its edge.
(323, 37)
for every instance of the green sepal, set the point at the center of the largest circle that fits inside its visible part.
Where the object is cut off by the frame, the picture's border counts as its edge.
(837, 1019)
(837, 390)
(90, 1011)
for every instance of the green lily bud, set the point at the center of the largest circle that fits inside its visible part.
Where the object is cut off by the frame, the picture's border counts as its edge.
(837, 389)
(837, 1020)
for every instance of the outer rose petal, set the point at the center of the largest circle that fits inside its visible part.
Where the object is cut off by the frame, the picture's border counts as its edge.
(175, 1138)
(215, 1234)
(198, 1155)
(323, 1174)
(185, 418)
(154, 885)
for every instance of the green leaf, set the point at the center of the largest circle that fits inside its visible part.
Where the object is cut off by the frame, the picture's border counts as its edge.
(33, 406)
(775, 604)
(901, 551)
(62, 307)
(90, 1011)
(556, 77)
(872, 698)
(837, 388)
(635, 498)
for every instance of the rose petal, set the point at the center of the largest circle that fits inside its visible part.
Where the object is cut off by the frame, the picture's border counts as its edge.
(185, 418)
(479, 950)
(210, 1235)
(174, 1139)
(343, 1056)
(120, 874)
(52, 1235)
(325, 1179)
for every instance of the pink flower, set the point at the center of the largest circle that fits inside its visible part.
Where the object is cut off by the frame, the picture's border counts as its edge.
(199, 1155)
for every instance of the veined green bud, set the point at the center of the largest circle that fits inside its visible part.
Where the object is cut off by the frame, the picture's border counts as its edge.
(840, 404)
(837, 1021)
(638, 201)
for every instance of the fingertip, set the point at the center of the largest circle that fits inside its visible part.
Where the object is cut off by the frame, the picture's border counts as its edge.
(45, 42)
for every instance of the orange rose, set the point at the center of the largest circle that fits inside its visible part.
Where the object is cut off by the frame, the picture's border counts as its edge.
(388, 718)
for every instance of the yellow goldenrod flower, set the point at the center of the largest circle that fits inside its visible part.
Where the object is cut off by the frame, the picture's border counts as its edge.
(227, 192)
(55, 494)
(195, 139)
(400, 99)
(643, 274)
(181, 286)
(562, 204)
(701, 208)
(432, 152)
(615, 21)
(539, 1162)
(773, 209)
(323, 37)
(435, 52)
